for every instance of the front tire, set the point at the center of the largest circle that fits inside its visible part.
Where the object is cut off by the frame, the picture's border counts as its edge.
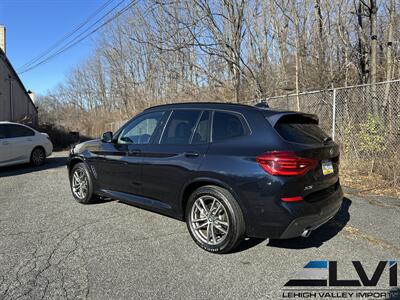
(81, 184)
(214, 219)
(38, 156)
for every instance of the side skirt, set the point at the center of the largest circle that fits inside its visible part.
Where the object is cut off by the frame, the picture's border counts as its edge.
(140, 201)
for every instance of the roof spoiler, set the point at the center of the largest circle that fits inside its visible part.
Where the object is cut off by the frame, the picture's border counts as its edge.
(273, 119)
(262, 104)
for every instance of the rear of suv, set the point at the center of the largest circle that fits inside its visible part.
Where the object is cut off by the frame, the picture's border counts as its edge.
(228, 170)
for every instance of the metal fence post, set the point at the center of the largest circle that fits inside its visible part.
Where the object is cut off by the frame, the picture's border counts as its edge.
(333, 114)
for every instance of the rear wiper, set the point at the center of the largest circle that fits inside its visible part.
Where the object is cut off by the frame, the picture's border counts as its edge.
(326, 140)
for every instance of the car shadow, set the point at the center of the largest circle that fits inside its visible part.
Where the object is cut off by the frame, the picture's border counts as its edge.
(247, 243)
(51, 162)
(321, 234)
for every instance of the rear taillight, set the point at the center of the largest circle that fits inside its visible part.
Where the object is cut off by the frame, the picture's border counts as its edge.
(292, 199)
(282, 163)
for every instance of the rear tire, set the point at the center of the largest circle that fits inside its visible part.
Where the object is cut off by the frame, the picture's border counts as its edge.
(82, 185)
(38, 156)
(214, 219)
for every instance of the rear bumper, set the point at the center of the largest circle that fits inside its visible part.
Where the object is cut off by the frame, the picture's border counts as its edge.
(309, 222)
(293, 218)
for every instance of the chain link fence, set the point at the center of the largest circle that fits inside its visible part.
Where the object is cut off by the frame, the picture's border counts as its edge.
(364, 120)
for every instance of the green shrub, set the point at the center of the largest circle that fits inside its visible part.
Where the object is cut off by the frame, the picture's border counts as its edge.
(372, 136)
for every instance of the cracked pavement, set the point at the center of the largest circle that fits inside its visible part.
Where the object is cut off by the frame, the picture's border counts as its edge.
(52, 247)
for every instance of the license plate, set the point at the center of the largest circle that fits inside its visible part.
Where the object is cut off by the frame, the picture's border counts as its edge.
(327, 167)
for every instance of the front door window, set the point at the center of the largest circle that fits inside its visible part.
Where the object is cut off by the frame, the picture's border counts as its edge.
(141, 129)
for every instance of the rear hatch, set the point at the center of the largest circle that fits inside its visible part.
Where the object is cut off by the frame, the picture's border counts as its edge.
(307, 140)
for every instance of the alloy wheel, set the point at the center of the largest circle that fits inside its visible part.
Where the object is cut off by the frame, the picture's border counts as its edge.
(38, 156)
(80, 183)
(209, 220)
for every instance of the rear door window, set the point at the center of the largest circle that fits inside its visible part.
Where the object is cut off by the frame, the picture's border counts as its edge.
(15, 131)
(180, 127)
(299, 129)
(200, 135)
(227, 125)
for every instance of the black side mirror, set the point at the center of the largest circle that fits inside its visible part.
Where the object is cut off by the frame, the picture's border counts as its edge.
(107, 137)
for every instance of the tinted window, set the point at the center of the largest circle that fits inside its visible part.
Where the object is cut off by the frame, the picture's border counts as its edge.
(141, 129)
(3, 134)
(300, 130)
(15, 131)
(180, 127)
(201, 133)
(226, 126)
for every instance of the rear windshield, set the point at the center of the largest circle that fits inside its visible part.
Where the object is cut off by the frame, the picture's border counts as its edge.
(299, 129)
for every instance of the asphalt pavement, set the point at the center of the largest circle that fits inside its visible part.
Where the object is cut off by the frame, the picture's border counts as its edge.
(52, 247)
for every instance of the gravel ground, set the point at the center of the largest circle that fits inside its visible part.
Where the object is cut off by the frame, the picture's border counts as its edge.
(54, 248)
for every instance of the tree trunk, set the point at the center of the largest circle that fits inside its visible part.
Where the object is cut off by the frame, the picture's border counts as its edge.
(320, 36)
(389, 59)
(297, 74)
(361, 44)
(373, 53)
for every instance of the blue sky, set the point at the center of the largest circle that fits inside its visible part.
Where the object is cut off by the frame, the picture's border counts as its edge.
(35, 25)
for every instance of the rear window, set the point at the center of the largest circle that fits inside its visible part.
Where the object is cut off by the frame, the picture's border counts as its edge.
(299, 129)
(226, 126)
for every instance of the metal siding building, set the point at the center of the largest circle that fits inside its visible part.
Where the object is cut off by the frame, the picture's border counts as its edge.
(15, 103)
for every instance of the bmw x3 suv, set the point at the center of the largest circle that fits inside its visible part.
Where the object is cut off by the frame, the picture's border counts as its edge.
(230, 171)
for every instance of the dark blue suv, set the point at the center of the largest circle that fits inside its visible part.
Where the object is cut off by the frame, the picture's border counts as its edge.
(228, 170)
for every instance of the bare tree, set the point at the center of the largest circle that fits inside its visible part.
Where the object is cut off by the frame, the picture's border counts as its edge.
(230, 50)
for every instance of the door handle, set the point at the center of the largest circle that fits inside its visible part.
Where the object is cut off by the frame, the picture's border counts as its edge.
(5, 143)
(191, 154)
(134, 152)
(29, 140)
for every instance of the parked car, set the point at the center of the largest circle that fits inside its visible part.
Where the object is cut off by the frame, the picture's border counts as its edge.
(22, 144)
(228, 170)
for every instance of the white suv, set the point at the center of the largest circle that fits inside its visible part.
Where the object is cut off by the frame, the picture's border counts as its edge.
(22, 144)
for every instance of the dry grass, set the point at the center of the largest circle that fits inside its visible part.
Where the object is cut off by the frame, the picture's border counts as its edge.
(374, 183)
